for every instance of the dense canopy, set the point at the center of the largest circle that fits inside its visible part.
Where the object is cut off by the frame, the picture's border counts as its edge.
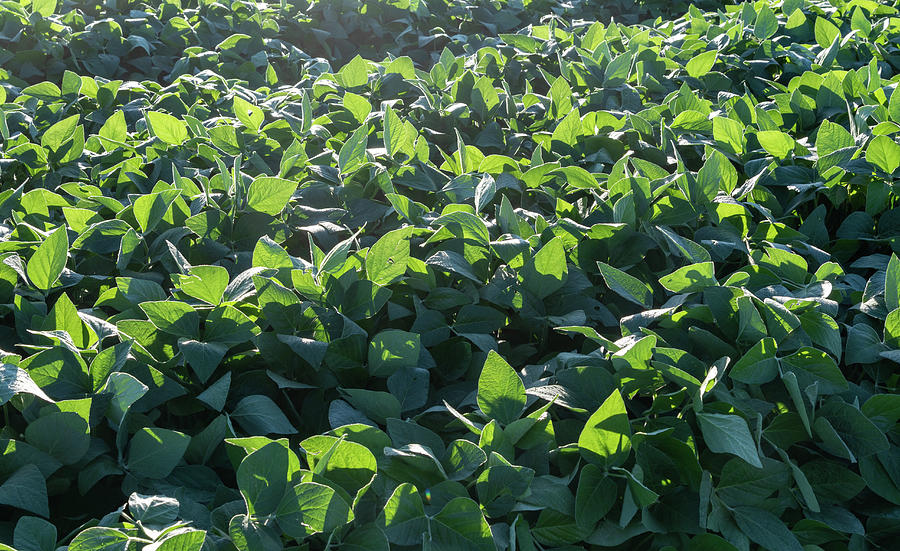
(421, 274)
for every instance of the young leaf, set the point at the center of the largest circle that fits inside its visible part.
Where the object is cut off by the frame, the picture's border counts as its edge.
(690, 279)
(884, 153)
(606, 437)
(388, 257)
(250, 115)
(270, 195)
(501, 393)
(701, 64)
(59, 133)
(776, 143)
(167, 128)
(353, 153)
(766, 23)
(48, 261)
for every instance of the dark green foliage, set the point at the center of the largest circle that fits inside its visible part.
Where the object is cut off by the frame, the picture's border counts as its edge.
(422, 274)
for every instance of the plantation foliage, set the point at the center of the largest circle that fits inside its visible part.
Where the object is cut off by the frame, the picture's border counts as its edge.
(515, 277)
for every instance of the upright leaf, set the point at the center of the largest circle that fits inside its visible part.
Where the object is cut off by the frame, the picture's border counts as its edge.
(501, 393)
(47, 263)
(606, 437)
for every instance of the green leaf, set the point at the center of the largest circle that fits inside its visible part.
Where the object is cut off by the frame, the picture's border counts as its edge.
(403, 518)
(546, 272)
(569, 129)
(366, 538)
(892, 284)
(250, 115)
(606, 437)
(395, 139)
(258, 414)
(831, 137)
(832, 482)
(560, 98)
(150, 209)
(765, 529)
(334, 260)
(388, 257)
(595, 496)
(776, 143)
(377, 405)
(26, 489)
(34, 534)
(858, 432)
(192, 540)
(825, 32)
(812, 365)
(203, 357)
(730, 133)
(710, 542)
(155, 452)
(501, 393)
(64, 435)
(309, 508)
(459, 525)
(47, 263)
(766, 23)
(500, 486)
(14, 380)
(353, 153)
(45, 8)
(701, 64)
(270, 195)
(348, 464)
(59, 133)
(690, 279)
(227, 325)
(626, 285)
(174, 317)
(153, 510)
(391, 350)
(461, 459)
(358, 106)
(262, 478)
(728, 434)
(354, 73)
(884, 153)
(206, 283)
(249, 534)
(115, 129)
(64, 317)
(100, 539)
(758, 365)
(167, 128)
(715, 174)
